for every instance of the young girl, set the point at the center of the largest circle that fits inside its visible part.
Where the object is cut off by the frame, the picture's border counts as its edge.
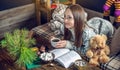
(77, 32)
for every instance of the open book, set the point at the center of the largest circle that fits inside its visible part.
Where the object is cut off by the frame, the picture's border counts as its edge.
(65, 57)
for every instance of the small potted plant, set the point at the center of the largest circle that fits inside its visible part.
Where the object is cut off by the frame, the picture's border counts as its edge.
(19, 46)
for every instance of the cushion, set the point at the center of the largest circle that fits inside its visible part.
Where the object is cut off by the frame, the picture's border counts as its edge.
(115, 43)
(101, 26)
(57, 17)
(58, 13)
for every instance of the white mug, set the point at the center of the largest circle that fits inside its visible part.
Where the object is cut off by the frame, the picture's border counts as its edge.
(54, 41)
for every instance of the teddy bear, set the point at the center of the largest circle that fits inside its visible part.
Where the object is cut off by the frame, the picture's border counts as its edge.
(106, 9)
(98, 51)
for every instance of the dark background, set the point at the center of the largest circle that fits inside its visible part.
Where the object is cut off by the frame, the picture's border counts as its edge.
(96, 5)
(90, 4)
(7, 4)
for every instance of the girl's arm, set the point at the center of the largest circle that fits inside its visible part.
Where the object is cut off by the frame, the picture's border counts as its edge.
(65, 44)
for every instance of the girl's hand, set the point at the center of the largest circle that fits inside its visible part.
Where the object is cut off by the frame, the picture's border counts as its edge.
(61, 44)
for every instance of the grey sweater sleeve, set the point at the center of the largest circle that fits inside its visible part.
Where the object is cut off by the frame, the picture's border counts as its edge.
(70, 45)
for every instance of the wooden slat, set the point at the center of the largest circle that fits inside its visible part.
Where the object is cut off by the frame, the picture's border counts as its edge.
(19, 25)
(15, 18)
(15, 15)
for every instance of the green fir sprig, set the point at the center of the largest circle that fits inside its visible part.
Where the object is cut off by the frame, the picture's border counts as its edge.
(19, 45)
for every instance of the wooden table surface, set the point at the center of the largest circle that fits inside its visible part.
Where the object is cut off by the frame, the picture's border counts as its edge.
(56, 66)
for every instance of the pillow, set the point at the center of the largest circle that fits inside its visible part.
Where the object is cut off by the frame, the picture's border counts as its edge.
(57, 17)
(58, 13)
(101, 26)
(115, 43)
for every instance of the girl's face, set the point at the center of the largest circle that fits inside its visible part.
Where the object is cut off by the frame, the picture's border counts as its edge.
(68, 19)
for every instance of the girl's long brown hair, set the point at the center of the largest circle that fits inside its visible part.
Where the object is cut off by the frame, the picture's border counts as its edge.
(79, 22)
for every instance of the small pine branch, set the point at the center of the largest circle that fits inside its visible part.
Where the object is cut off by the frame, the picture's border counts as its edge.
(19, 45)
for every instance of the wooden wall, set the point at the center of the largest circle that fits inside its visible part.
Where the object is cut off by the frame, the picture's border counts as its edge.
(18, 17)
(17, 14)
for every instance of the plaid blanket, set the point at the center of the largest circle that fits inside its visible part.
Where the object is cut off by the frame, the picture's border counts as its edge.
(44, 31)
(113, 64)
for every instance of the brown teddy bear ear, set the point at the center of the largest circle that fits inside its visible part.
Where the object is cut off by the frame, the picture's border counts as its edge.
(92, 40)
(104, 36)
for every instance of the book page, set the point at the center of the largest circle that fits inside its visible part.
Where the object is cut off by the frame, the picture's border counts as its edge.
(59, 52)
(68, 59)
